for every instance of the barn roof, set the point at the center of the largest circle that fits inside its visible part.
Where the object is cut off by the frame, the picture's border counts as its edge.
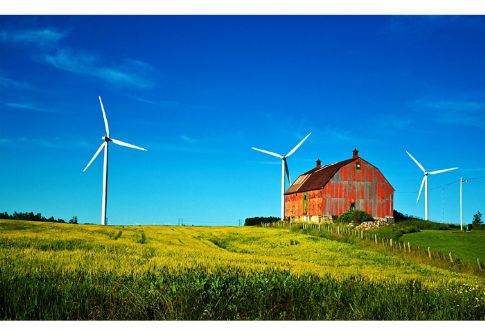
(317, 177)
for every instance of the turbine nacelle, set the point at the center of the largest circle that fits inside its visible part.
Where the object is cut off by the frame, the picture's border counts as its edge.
(106, 138)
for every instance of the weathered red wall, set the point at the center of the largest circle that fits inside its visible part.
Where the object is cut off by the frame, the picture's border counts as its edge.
(365, 187)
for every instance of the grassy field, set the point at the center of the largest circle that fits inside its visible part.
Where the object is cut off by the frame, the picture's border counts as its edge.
(61, 272)
(467, 246)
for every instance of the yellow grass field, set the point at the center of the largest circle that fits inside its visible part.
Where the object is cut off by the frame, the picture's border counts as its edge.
(67, 250)
(232, 249)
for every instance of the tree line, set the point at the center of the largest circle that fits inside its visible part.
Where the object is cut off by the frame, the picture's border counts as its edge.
(256, 221)
(30, 216)
(360, 216)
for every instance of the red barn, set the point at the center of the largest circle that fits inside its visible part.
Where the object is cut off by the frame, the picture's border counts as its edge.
(327, 191)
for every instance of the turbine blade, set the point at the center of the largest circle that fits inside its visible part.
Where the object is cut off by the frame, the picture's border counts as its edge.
(268, 152)
(297, 146)
(421, 188)
(415, 161)
(95, 155)
(441, 171)
(287, 171)
(124, 144)
(104, 117)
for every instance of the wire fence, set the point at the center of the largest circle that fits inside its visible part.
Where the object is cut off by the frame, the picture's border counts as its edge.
(373, 240)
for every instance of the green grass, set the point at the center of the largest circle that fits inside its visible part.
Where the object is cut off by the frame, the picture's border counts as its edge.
(51, 271)
(197, 295)
(466, 246)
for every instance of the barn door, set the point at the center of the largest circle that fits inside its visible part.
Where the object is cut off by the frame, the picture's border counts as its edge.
(305, 201)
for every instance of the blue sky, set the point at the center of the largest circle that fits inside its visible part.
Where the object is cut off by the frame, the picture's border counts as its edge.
(199, 91)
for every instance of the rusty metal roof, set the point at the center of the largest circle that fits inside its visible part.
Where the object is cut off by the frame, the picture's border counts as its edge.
(317, 177)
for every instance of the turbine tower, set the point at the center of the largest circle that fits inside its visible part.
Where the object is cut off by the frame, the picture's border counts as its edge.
(425, 183)
(284, 170)
(104, 145)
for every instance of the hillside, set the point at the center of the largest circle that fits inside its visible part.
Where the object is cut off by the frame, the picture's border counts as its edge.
(467, 246)
(61, 271)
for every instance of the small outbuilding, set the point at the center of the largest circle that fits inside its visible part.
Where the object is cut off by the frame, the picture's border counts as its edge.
(327, 191)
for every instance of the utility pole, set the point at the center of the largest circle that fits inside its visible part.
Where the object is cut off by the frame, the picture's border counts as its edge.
(461, 201)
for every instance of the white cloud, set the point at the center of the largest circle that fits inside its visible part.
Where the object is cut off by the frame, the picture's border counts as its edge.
(66, 60)
(45, 143)
(454, 111)
(140, 99)
(12, 83)
(26, 106)
(9, 141)
(456, 105)
(188, 139)
(43, 38)
(131, 73)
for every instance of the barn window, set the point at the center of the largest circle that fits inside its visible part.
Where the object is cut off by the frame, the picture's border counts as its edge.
(352, 206)
(357, 166)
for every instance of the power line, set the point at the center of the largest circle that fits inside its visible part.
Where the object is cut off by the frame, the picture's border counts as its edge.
(443, 185)
(475, 178)
(440, 186)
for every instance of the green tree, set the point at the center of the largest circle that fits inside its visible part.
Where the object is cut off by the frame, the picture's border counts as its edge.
(477, 219)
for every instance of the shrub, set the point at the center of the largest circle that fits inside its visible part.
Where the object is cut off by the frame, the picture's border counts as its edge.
(143, 238)
(355, 216)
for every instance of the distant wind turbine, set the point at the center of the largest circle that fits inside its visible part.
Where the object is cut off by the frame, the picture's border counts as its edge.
(104, 146)
(425, 182)
(284, 170)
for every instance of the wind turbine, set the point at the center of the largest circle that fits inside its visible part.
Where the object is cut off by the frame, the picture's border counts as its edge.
(104, 146)
(425, 182)
(284, 169)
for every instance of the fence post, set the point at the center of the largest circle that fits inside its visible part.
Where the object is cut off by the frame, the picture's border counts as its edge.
(409, 247)
(429, 253)
(451, 258)
(375, 238)
(390, 242)
(479, 265)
